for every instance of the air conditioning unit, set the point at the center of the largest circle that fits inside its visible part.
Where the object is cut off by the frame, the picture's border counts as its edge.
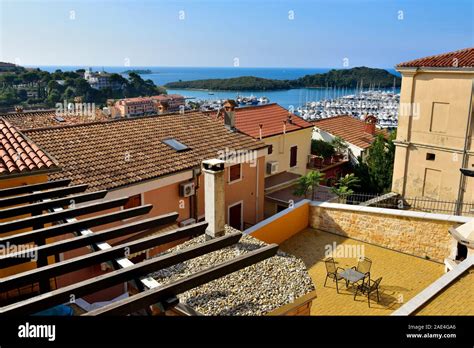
(187, 189)
(187, 222)
(272, 167)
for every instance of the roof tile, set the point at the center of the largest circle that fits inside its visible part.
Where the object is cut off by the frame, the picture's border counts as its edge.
(350, 129)
(458, 59)
(116, 153)
(273, 118)
(17, 154)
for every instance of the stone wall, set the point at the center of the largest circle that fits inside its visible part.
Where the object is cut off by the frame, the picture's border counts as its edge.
(420, 234)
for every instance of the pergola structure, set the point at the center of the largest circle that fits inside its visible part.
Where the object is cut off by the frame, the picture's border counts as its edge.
(52, 209)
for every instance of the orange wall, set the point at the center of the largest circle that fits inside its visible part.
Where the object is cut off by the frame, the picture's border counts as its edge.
(23, 180)
(244, 190)
(283, 225)
(20, 181)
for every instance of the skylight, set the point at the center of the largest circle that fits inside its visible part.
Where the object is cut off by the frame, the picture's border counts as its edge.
(175, 144)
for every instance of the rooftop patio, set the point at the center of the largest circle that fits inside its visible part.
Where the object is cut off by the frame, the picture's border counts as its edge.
(404, 275)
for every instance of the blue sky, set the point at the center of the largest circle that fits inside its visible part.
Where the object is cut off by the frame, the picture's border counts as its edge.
(214, 32)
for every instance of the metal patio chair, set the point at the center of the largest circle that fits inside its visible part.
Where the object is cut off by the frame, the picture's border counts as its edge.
(363, 265)
(332, 272)
(368, 287)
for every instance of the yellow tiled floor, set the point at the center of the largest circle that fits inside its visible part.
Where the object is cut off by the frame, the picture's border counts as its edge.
(403, 275)
(457, 299)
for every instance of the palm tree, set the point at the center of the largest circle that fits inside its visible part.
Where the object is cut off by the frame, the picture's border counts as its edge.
(343, 189)
(309, 183)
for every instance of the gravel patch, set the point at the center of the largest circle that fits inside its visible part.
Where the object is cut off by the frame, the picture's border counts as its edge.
(254, 290)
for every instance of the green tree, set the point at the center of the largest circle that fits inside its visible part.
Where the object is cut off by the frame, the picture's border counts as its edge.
(377, 170)
(309, 183)
(322, 148)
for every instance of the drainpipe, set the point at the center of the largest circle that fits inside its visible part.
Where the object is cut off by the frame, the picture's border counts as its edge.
(256, 190)
(195, 211)
(465, 156)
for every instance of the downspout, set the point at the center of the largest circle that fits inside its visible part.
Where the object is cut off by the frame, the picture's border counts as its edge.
(256, 191)
(465, 159)
(195, 211)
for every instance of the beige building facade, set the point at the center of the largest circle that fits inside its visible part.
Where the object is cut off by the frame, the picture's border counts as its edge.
(434, 136)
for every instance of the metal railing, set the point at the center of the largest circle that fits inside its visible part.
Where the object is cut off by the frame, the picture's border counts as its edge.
(395, 201)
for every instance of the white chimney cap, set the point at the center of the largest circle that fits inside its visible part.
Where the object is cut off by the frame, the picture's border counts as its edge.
(213, 164)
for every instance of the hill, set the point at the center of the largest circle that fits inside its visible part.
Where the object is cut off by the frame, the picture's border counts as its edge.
(333, 78)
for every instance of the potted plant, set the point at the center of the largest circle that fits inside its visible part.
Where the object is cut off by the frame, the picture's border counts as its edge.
(340, 147)
(324, 149)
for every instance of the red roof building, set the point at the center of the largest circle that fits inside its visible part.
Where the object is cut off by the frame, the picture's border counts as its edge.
(19, 155)
(458, 59)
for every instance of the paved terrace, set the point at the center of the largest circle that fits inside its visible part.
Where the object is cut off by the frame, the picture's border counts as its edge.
(404, 275)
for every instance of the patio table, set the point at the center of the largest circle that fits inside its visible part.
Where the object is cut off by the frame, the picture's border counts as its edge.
(351, 275)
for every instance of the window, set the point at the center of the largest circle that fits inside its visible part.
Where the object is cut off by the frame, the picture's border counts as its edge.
(235, 172)
(293, 156)
(270, 149)
(133, 201)
(430, 156)
(175, 144)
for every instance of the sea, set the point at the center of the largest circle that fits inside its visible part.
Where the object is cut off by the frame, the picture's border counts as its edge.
(286, 98)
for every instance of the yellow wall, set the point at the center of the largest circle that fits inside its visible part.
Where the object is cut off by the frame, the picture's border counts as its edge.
(283, 225)
(437, 125)
(281, 150)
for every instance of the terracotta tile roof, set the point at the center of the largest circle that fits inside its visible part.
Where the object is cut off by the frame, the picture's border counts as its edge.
(47, 118)
(18, 154)
(121, 152)
(271, 116)
(349, 129)
(458, 59)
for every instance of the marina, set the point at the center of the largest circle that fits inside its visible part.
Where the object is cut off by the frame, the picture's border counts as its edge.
(382, 104)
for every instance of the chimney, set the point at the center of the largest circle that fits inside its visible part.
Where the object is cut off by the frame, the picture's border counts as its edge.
(370, 122)
(214, 197)
(290, 120)
(162, 107)
(229, 114)
(260, 130)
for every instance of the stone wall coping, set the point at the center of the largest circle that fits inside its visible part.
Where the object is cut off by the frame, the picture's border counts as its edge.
(435, 287)
(395, 212)
(275, 217)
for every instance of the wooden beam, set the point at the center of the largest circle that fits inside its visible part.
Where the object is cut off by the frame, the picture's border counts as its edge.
(149, 297)
(37, 196)
(63, 267)
(150, 224)
(57, 230)
(44, 205)
(18, 190)
(31, 221)
(62, 295)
